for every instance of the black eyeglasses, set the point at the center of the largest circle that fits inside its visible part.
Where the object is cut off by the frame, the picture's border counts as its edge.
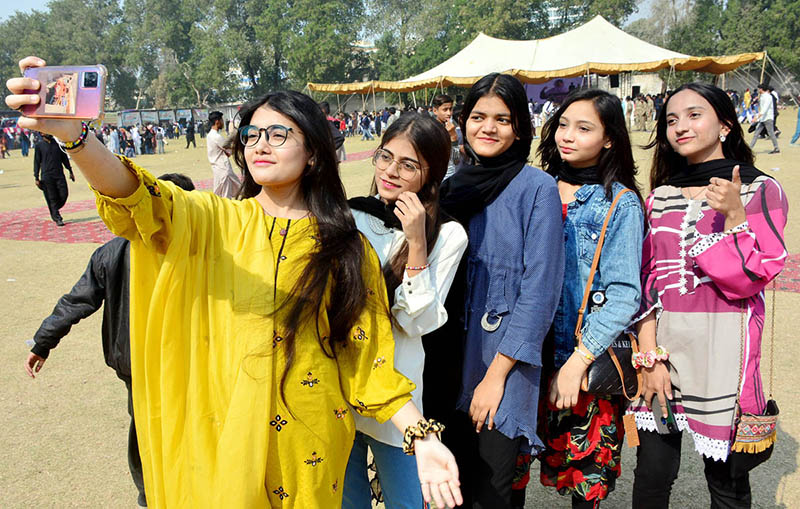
(276, 135)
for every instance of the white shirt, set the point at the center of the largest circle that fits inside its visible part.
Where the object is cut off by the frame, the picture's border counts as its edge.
(765, 111)
(216, 154)
(418, 306)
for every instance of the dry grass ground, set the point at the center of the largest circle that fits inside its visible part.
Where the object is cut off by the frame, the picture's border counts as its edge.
(63, 436)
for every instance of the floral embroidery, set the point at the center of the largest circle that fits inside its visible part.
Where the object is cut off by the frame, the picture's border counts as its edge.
(310, 380)
(314, 460)
(361, 336)
(276, 338)
(281, 494)
(315, 238)
(278, 423)
(361, 406)
(335, 485)
(154, 190)
(370, 292)
(380, 361)
(340, 412)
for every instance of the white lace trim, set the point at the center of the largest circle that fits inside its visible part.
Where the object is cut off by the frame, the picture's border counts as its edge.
(706, 241)
(709, 447)
(692, 212)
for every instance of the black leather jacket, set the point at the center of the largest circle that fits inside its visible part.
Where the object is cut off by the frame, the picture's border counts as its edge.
(106, 280)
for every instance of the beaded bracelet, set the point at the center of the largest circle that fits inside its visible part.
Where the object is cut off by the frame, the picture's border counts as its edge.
(421, 267)
(72, 145)
(648, 359)
(421, 430)
(586, 355)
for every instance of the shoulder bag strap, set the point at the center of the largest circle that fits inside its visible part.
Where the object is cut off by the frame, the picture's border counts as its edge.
(595, 262)
(582, 310)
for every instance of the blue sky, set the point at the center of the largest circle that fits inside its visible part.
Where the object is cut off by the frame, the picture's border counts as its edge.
(8, 8)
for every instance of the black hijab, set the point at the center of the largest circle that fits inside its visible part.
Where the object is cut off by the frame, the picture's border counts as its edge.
(695, 175)
(474, 186)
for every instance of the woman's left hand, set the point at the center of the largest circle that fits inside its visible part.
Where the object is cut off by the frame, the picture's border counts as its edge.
(724, 196)
(412, 216)
(438, 472)
(566, 384)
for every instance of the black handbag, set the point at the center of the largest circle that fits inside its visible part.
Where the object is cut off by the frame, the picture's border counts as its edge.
(612, 372)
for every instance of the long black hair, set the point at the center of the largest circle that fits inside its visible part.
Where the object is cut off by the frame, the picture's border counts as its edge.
(512, 93)
(432, 143)
(339, 255)
(616, 163)
(667, 162)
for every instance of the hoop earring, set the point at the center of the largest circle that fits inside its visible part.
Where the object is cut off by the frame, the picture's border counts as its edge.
(722, 138)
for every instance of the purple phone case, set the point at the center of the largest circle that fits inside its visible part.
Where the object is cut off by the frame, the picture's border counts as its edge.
(62, 94)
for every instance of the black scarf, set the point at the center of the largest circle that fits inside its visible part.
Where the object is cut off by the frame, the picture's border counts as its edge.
(376, 208)
(695, 175)
(578, 176)
(474, 186)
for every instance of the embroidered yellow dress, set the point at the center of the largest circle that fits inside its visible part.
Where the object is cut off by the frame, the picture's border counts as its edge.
(207, 355)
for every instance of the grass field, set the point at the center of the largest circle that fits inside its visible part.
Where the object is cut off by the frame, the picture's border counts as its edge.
(64, 435)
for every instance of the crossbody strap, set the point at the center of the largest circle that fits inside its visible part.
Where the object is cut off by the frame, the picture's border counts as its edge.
(595, 262)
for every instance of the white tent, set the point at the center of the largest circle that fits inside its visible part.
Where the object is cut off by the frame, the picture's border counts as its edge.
(594, 47)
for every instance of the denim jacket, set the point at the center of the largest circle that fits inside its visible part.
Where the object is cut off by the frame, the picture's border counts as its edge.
(618, 273)
(514, 275)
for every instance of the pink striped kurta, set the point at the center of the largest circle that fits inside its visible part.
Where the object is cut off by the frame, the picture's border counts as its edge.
(699, 279)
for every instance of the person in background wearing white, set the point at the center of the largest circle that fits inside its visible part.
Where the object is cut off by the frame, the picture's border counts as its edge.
(765, 118)
(137, 140)
(226, 182)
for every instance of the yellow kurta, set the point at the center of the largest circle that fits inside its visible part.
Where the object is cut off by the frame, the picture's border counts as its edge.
(207, 355)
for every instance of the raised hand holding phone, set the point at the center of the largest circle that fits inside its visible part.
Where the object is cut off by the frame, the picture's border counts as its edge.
(101, 168)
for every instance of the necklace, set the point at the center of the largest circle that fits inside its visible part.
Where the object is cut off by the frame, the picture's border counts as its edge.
(694, 196)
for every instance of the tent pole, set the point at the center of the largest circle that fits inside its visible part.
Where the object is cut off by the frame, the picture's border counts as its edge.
(763, 66)
(414, 97)
(338, 106)
(723, 81)
(374, 107)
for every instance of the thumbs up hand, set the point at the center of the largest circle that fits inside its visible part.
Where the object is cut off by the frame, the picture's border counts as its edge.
(724, 196)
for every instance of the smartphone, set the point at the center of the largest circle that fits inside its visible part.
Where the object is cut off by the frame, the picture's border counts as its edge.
(68, 92)
(665, 424)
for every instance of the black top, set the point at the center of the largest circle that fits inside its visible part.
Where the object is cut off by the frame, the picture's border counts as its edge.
(106, 281)
(48, 160)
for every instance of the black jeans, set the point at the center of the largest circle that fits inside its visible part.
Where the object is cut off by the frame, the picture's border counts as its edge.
(486, 463)
(55, 194)
(658, 460)
(134, 460)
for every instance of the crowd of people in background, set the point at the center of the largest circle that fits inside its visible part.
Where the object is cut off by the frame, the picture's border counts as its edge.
(136, 140)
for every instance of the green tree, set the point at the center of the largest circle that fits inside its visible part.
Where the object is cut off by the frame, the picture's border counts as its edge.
(321, 40)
